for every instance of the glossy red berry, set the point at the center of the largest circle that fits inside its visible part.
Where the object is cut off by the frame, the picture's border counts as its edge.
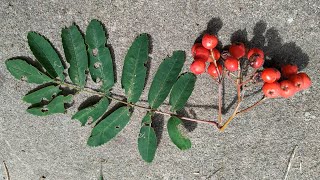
(209, 41)
(306, 81)
(237, 50)
(255, 52)
(288, 70)
(270, 75)
(271, 90)
(297, 81)
(198, 67)
(287, 89)
(201, 53)
(231, 64)
(216, 55)
(194, 47)
(257, 62)
(213, 71)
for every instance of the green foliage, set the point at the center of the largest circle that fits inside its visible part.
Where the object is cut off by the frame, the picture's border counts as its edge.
(92, 54)
(165, 77)
(181, 91)
(45, 93)
(109, 127)
(147, 141)
(93, 112)
(46, 55)
(22, 70)
(100, 61)
(134, 71)
(176, 135)
(54, 106)
(76, 54)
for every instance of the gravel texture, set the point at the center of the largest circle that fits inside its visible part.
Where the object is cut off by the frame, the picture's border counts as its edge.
(257, 145)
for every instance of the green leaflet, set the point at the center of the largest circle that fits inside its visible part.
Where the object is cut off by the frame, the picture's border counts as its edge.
(134, 71)
(175, 135)
(45, 93)
(100, 61)
(94, 111)
(165, 77)
(76, 54)
(181, 91)
(109, 127)
(147, 141)
(54, 106)
(46, 55)
(21, 70)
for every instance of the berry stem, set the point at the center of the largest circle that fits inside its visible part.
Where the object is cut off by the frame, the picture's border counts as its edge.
(97, 92)
(239, 78)
(254, 105)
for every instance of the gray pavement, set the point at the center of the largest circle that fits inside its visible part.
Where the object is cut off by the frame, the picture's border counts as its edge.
(257, 145)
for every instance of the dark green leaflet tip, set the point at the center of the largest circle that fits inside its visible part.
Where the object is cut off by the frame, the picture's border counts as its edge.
(165, 77)
(76, 54)
(54, 106)
(176, 135)
(46, 93)
(147, 140)
(100, 60)
(181, 91)
(24, 71)
(134, 71)
(46, 55)
(109, 127)
(93, 112)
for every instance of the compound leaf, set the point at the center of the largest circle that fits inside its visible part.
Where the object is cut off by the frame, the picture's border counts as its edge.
(46, 55)
(100, 61)
(147, 141)
(21, 70)
(134, 70)
(94, 111)
(176, 136)
(45, 93)
(109, 127)
(165, 77)
(181, 91)
(76, 54)
(54, 106)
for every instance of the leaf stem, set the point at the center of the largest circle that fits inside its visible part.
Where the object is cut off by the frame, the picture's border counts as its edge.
(97, 92)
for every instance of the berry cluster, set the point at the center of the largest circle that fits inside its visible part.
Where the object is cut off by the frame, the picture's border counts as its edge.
(206, 52)
(291, 81)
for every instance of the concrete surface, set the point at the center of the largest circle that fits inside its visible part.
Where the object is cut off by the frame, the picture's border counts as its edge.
(257, 145)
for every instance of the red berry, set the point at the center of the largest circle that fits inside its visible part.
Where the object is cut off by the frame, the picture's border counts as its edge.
(256, 52)
(237, 50)
(288, 70)
(270, 75)
(306, 81)
(216, 55)
(198, 67)
(271, 90)
(257, 62)
(194, 47)
(212, 70)
(231, 64)
(297, 81)
(287, 89)
(209, 41)
(201, 53)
